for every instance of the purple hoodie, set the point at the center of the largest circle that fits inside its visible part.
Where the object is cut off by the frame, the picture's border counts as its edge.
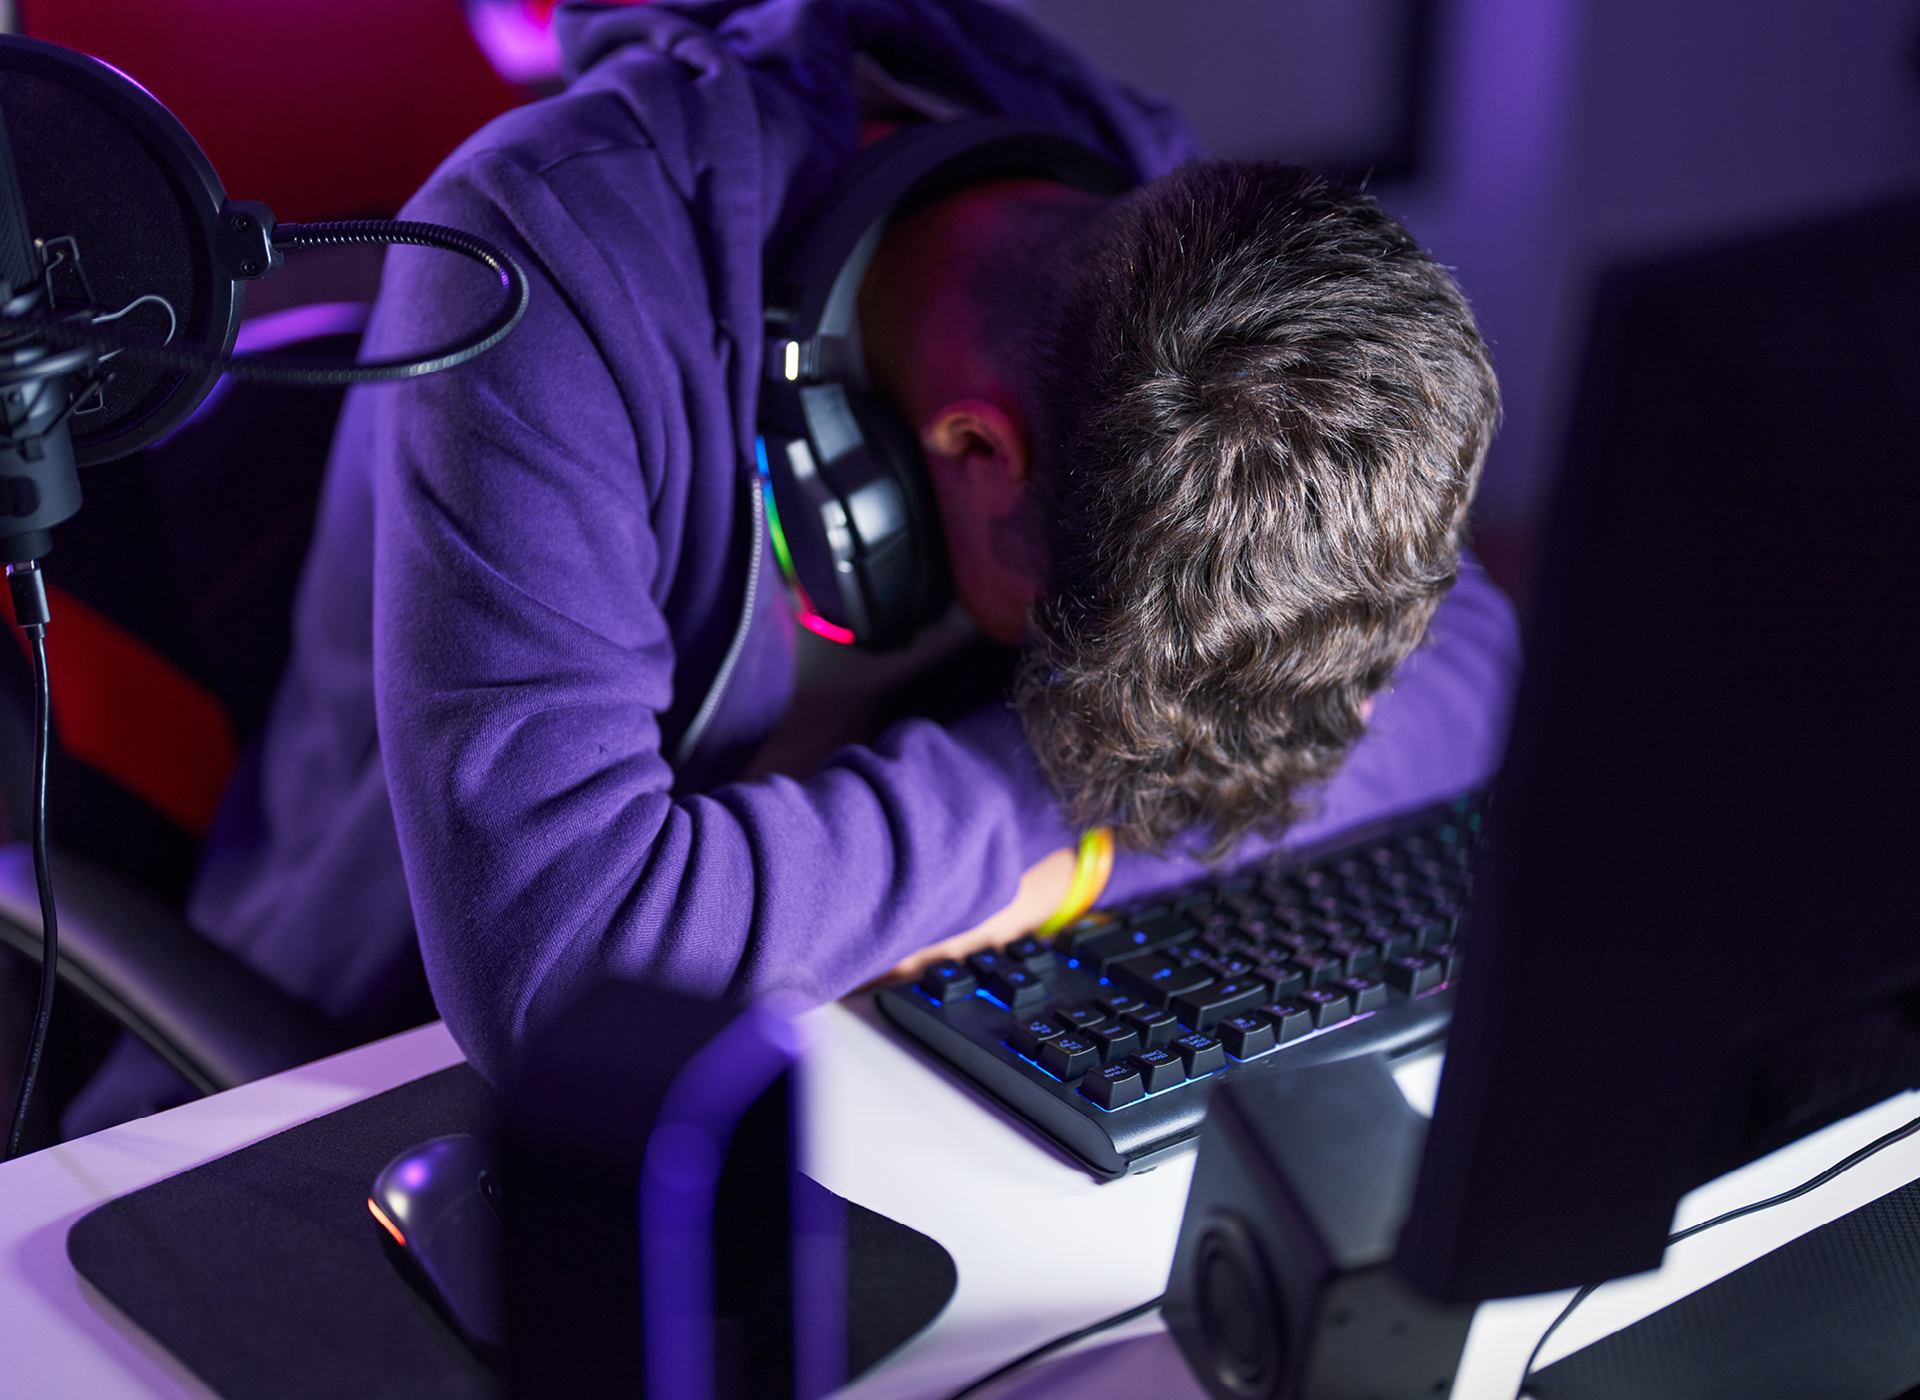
(525, 573)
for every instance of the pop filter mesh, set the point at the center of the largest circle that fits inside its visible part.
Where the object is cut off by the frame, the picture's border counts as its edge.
(102, 162)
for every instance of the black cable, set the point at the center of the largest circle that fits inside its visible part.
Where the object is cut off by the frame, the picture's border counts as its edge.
(1845, 1164)
(33, 622)
(312, 373)
(1068, 1340)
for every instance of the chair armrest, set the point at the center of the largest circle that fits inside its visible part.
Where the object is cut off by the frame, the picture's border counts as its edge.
(202, 1010)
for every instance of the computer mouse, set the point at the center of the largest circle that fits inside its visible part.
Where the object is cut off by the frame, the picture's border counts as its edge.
(439, 1203)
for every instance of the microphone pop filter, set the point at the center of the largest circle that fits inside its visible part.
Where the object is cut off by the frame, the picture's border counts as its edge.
(108, 173)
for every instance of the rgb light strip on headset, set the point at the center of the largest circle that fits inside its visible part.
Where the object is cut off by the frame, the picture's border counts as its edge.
(809, 615)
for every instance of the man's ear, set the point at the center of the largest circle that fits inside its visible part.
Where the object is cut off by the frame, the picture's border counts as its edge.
(981, 448)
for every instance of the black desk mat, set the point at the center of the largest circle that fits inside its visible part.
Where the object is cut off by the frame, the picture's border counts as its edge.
(265, 1274)
(1834, 1314)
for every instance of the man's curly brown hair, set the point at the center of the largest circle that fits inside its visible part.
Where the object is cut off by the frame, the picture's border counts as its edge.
(1258, 411)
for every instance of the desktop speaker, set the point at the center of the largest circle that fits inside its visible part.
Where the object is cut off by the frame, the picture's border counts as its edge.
(1283, 1285)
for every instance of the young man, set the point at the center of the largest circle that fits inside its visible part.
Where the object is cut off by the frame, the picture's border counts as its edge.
(1207, 450)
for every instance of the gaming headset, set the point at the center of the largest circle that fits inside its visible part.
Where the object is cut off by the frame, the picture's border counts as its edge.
(849, 505)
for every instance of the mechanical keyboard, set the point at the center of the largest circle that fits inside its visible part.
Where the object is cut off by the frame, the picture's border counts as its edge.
(1109, 1037)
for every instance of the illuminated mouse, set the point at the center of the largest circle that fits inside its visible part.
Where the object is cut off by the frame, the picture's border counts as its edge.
(438, 1202)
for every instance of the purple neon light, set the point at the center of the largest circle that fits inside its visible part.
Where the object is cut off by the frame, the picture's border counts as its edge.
(678, 1179)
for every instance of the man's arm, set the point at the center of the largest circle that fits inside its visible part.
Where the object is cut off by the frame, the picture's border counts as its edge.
(545, 518)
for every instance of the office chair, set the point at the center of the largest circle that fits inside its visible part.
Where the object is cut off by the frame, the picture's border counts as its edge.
(172, 605)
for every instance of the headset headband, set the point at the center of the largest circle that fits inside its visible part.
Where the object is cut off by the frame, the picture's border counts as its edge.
(855, 526)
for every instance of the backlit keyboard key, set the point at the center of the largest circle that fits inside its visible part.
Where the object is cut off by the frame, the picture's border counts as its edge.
(1081, 1018)
(948, 982)
(1145, 933)
(1448, 956)
(1356, 955)
(1158, 981)
(1318, 968)
(1283, 979)
(1392, 942)
(1031, 953)
(1207, 1007)
(1017, 987)
(1156, 1028)
(1330, 1005)
(1117, 1001)
(1368, 993)
(1159, 1069)
(1290, 1019)
(1232, 967)
(1201, 1054)
(1114, 1042)
(1415, 973)
(1029, 1035)
(985, 964)
(1247, 1035)
(1068, 1056)
(1114, 1086)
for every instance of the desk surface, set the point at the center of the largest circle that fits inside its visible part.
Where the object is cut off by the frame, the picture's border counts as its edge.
(1041, 1247)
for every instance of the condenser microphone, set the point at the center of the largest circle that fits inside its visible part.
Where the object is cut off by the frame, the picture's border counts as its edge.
(122, 272)
(39, 480)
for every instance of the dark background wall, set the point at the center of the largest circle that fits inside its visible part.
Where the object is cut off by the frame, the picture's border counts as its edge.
(1559, 136)
(1529, 143)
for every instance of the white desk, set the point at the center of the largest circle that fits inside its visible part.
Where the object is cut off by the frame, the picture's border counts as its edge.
(1041, 1247)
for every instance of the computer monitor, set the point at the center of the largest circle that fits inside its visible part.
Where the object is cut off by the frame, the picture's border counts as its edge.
(1694, 936)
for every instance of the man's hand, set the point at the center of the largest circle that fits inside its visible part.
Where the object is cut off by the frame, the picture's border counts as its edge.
(1041, 890)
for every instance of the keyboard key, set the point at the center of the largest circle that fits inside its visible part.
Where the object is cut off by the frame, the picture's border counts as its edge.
(1156, 1027)
(1448, 956)
(1068, 1056)
(1029, 1035)
(1114, 1086)
(1312, 882)
(948, 982)
(1158, 981)
(1017, 987)
(1113, 1042)
(1081, 1018)
(1247, 1035)
(1356, 955)
(1187, 954)
(1208, 915)
(1232, 967)
(1286, 916)
(1208, 1006)
(1279, 893)
(1117, 1001)
(1201, 1054)
(1126, 938)
(1318, 968)
(1224, 942)
(1415, 973)
(1290, 1019)
(1159, 1069)
(1283, 979)
(1329, 1005)
(1368, 993)
(1031, 953)
(1390, 942)
(985, 964)
(1429, 929)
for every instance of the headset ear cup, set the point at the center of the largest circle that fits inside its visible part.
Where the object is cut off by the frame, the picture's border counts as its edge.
(921, 591)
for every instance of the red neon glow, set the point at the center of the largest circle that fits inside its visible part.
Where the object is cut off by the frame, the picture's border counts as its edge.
(818, 625)
(392, 1229)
